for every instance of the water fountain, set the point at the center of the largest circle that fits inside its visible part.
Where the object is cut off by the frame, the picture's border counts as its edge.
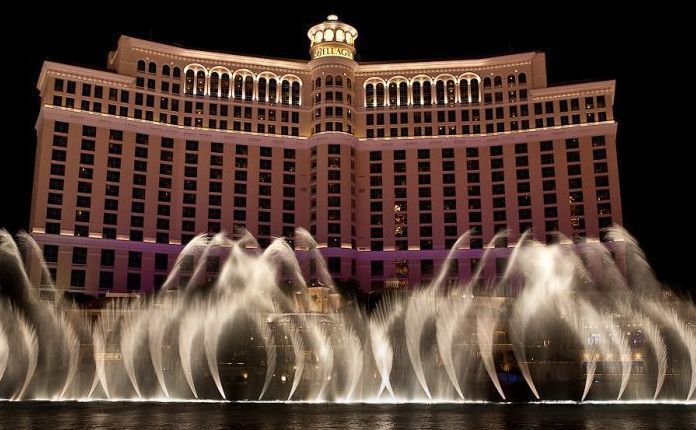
(576, 328)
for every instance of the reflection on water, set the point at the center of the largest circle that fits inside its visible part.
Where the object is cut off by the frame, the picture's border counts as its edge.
(105, 415)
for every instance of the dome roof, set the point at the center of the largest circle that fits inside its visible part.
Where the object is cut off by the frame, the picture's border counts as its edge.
(334, 33)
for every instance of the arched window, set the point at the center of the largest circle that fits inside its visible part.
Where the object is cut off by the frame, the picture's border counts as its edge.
(190, 79)
(248, 88)
(214, 84)
(511, 79)
(262, 89)
(272, 90)
(522, 78)
(498, 82)
(225, 86)
(329, 81)
(486, 83)
(370, 95)
(379, 93)
(427, 93)
(165, 70)
(238, 85)
(475, 94)
(450, 92)
(464, 91)
(152, 67)
(200, 83)
(285, 92)
(177, 72)
(349, 83)
(338, 81)
(440, 92)
(392, 94)
(317, 83)
(141, 65)
(296, 93)
(403, 94)
(416, 94)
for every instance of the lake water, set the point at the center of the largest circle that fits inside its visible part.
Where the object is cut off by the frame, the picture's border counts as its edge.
(132, 415)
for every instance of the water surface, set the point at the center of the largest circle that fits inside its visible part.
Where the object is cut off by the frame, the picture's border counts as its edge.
(146, 415)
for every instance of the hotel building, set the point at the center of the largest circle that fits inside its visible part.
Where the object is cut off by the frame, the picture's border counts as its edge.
(386, 164)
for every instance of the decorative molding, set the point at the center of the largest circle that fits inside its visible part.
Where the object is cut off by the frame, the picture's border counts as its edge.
(506, 137)
(82, 74)
(573, 90)
(515, 60)
(140, 125)
(193, 55)
(332, 67)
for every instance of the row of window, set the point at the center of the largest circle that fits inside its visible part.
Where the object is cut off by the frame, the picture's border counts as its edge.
(151, 67)
(489, 114)
(419, 90)
(400, 268)
(217, 82)
(403, 124)
(488, 128)
(332, 81)
(332, 97)
(243, 87)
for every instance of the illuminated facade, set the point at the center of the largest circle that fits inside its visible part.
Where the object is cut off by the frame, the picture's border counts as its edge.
(386, 164)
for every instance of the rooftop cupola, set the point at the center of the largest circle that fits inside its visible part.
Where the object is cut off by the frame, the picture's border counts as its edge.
(332, 38)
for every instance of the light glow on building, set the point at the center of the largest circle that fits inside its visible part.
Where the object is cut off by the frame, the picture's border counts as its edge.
(385, 164)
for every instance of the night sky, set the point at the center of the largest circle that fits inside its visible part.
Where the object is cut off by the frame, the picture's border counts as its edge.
(643, 49)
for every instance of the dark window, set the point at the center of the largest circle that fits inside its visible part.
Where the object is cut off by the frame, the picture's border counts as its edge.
(50, 253)
(106, 280)
(79, 255)
(377, 268)
(427, 267)
(133, 281)
(77, 278)
(546, 145)
(108, 256)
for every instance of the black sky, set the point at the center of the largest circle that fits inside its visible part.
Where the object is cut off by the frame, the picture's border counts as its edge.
(643, 49)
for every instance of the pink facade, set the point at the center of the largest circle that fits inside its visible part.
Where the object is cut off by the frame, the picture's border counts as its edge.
(385, 164)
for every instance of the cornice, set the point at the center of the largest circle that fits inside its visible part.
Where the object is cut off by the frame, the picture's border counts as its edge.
(82, 74)
(101, 119)
(573, 90)
(332, 66)
(213, 58)
(298, 66)
(506, 61)
(507, 137)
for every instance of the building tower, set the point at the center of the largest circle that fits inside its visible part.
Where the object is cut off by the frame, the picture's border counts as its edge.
(332, 144)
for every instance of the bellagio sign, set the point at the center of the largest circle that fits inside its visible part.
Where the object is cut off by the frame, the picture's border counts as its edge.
(331, 51)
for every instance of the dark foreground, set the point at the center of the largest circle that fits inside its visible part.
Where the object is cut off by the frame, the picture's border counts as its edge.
(116, 415)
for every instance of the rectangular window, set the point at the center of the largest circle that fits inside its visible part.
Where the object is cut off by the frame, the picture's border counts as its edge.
(106, 280)
(133, 281)
(79, 255)
(77, 278)
(377, 268)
